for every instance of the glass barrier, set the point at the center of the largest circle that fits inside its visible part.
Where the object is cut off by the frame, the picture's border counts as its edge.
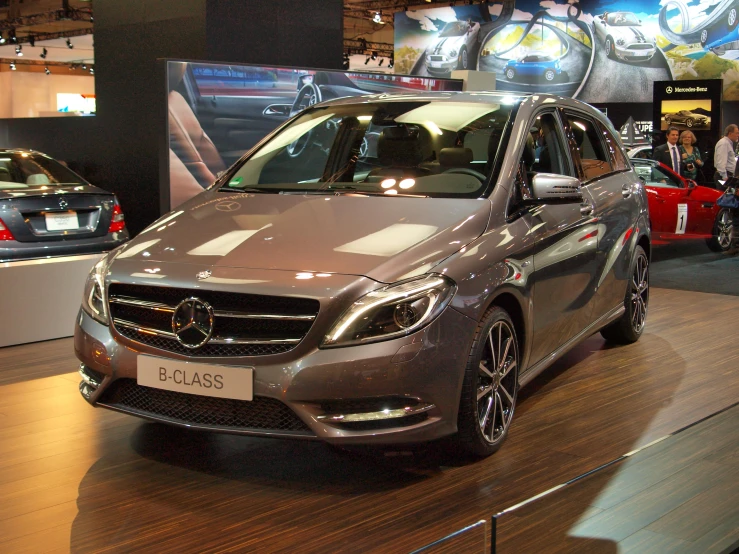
(472, 538)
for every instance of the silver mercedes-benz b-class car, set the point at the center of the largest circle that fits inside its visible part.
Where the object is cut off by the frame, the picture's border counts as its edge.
(394, 294)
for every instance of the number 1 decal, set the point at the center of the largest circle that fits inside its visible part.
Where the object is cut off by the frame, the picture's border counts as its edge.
(682, 219)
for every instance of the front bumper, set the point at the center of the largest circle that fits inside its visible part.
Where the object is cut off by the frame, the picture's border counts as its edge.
(398, 391)
(16, 250)
(628, 54)
(441, 66)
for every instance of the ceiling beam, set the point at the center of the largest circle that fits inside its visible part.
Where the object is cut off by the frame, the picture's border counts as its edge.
(17, 23)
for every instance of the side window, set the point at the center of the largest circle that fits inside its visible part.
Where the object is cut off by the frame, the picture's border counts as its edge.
(658, 178)
(549, 155)
(586, 145)
(618, 158)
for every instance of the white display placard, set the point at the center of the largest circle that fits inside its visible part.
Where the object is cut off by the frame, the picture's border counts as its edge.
(193, 378)
(682, 219)
(62, 222)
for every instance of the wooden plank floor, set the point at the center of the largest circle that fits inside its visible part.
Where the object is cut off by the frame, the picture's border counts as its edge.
(680, 495)
(74, 478)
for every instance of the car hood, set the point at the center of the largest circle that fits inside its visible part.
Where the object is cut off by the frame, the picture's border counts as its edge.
(385, 239)
(46, 190)
(630, 34)
(445, 45)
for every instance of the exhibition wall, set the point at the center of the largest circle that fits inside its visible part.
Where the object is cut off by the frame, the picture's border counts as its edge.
(35, 94)
(587, 50)
(217, 112)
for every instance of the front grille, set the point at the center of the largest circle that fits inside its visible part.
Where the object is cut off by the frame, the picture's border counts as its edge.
(435, 58)
(260, 414)
(640, 46)
(268, 324)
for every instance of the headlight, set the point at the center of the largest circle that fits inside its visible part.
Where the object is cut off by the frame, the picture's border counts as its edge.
(620, 42)
(93, 299)
(393, 311)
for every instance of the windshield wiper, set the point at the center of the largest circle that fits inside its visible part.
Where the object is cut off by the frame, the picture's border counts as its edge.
(247, 189)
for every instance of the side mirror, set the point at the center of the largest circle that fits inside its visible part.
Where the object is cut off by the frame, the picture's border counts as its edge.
(550, 188)
(691, 184)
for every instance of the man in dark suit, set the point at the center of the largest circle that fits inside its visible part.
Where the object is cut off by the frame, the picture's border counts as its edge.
(669, 154)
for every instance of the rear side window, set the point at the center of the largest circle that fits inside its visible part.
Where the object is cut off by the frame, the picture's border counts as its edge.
(587, 147)
(618, 158)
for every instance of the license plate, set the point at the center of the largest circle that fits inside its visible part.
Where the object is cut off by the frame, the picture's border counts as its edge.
(193, 378)
(62, 222)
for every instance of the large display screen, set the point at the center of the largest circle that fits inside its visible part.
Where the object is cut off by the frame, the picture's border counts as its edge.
(598, 51)
(217, 112)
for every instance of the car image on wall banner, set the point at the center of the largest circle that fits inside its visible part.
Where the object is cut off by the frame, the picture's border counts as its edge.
(587, 49)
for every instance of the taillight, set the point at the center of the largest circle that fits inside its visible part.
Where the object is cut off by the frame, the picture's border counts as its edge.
(5, 233)
(117, 222)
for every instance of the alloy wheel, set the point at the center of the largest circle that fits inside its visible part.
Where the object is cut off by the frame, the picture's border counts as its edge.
(608, 47)
(496, 382)
(464, 59)
(725, 233)
(549, 75)
(704, 37)
(510, 74)
(640, 293)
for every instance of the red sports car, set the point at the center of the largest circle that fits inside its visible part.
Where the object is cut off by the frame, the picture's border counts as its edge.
(679, 209)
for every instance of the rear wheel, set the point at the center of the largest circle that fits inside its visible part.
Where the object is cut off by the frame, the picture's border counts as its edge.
(510, 73)
(549, 75)
(629, 327)
(723, 232)
(490, 386)
(689, 122)
(704, 38)
(731, 19)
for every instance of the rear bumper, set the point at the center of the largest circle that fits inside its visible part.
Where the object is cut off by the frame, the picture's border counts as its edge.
(14, 250)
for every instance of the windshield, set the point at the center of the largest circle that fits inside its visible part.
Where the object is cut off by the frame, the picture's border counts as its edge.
(454, 29)
(25, 170)
(425, 148)
(622, 20)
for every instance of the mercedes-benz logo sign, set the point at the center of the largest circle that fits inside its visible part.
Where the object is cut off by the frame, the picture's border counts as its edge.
(228, 206)
(668, 90)
(192, 323)
(63, 204)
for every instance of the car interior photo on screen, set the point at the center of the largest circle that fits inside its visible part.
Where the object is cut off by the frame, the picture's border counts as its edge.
(401, 293)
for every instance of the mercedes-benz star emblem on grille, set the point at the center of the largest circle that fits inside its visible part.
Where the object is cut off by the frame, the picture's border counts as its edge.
(63, 204)
(668, 90)
(192, 322)
(228, 206)
(204, 275)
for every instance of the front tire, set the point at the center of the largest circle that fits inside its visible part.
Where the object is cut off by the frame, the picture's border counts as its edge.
(490, 386)
(609, 47)
(463, 62)
(629, 327)
(689, 123)
(723, 232)
(549, 75)
(510, 73)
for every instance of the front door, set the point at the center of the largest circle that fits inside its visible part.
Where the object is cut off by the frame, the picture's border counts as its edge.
(565, 256)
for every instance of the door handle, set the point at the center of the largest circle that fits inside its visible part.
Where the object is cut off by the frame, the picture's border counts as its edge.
(586, 209)
(626, 191)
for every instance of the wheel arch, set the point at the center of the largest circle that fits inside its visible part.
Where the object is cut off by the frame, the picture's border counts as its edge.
(646, 245)
(512, 305)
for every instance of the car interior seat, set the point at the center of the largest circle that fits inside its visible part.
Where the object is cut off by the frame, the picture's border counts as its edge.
(400, 152)
(183, 185)
(37, 179)
(456, 157)
(187, 139)
(5, 175)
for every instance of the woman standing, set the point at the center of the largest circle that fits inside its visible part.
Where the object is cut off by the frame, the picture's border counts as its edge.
(691, 156)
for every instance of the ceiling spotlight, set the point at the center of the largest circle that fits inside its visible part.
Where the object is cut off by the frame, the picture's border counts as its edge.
(345, 61)
(13, 38)
(47, 71)
(12, 66)
(2, 39)
(31, 40)
(69, 44)
(391, 61)
(377, 18)
(84, 66)
(381, 60)
(92, 71)
(367, 60)
(374, 56)
(18, 50)
(43, 53)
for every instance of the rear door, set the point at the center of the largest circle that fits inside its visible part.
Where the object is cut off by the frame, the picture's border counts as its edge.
(607, 176)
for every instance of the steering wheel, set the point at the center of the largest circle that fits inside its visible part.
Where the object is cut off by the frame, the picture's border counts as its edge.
(307, 96)
(466, 171)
